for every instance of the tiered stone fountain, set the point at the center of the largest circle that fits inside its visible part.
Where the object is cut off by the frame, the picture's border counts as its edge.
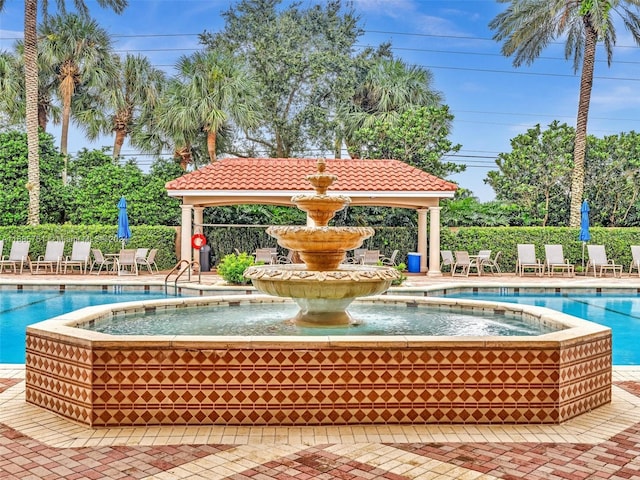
(324, 286)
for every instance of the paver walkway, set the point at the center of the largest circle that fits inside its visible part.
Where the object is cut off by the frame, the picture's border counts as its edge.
(603, 444)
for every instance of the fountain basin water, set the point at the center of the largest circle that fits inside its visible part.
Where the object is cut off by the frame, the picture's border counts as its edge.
(108, 380)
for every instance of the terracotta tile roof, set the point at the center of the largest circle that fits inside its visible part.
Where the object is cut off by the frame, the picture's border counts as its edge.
(288, 174)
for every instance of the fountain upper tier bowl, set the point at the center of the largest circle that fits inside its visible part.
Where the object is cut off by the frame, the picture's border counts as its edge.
(320, 248)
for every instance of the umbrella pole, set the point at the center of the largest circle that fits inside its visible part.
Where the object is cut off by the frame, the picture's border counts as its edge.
(583, 244)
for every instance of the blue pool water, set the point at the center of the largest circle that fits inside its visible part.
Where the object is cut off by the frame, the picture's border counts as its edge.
(21, 308)
(621, 313)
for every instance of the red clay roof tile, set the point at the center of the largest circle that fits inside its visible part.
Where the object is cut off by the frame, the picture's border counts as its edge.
(289, 174)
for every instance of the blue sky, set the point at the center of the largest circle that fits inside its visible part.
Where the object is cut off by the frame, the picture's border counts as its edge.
(491, 100)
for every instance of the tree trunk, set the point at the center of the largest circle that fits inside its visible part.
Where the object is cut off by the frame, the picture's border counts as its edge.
(580, 148)
(118, 142)
(211, 144)
(31, 86)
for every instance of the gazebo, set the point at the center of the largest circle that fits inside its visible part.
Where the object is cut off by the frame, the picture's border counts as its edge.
(273, 181)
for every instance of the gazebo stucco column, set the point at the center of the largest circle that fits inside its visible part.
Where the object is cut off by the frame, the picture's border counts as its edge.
(422, 238)
(434, 242)
(186, 251)
(198, 218)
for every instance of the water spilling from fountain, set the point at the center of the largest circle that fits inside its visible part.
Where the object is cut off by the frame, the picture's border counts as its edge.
(323, 286)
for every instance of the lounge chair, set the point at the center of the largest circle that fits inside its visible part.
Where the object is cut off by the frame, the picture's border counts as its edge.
(527, 260)
(126, 262)
(492, 263)
(265, 255)
(149, 261)
(464, 263)
(390, 261)
(53, 255)
(599, 263)
(371, 257)
(101, 261)
(141, 254)
(482, 257)
(285, 259)
(447, 260)
(80, 254)
(554, 260)
(356, 258)
(635, 259)
(19, 255)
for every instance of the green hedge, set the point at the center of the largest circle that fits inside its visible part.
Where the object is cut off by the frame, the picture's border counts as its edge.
(224, 240)
(102, 237)
(617, 242)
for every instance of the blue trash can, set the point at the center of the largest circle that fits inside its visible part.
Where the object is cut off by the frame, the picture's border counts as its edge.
(413, 262)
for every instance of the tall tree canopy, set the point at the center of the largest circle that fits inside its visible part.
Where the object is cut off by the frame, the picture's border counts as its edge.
(536, 173)
(81, 53)
(302, 60)
(528, 26)
(31, 87)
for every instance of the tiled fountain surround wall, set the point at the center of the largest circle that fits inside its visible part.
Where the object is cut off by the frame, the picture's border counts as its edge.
(104, 380)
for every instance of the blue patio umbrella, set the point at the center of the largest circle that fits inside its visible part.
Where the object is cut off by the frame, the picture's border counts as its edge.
(584, 236)
(124, 233)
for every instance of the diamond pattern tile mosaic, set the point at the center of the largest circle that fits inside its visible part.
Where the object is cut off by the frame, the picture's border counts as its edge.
(112, 386)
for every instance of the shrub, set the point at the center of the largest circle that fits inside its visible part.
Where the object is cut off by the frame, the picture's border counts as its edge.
(232, 268)
(401, 267)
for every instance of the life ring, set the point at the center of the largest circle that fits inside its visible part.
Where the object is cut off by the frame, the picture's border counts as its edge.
(198, 241)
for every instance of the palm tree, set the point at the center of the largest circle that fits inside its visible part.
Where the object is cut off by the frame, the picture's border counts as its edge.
(527, 26)
(132, 95)
(211, 91)
(81, 51)
(9, 85)
(390, 88)
(47, 82)
(31, 88)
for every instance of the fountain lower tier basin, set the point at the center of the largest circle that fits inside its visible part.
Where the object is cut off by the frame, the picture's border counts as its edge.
(323, 296)
(106, 380)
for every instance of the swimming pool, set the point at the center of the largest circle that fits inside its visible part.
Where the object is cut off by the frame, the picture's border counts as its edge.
(620, 312)
(25, 307)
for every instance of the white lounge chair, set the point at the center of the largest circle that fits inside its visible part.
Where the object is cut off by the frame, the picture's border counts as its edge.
(635, 259)
(80, 254)
(447, 259)
(52, 258)
(126, 262)
(265, 255)
(464, 263)
(19, 255)
(356, 258)
(554, 260)
(149, 261)
(371, 257)
(100, 261)
(527, 260)
(141, 254)
(492, 263)
(599, 263)
(390, 261)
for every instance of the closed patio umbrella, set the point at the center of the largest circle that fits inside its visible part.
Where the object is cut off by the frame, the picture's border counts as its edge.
(124, 233)
(584, 236)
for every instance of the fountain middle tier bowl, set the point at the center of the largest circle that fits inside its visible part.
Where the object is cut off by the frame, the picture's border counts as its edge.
(296, 281)
(320, 248)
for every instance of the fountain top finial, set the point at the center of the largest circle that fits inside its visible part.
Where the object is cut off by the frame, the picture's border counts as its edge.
(321, 181)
